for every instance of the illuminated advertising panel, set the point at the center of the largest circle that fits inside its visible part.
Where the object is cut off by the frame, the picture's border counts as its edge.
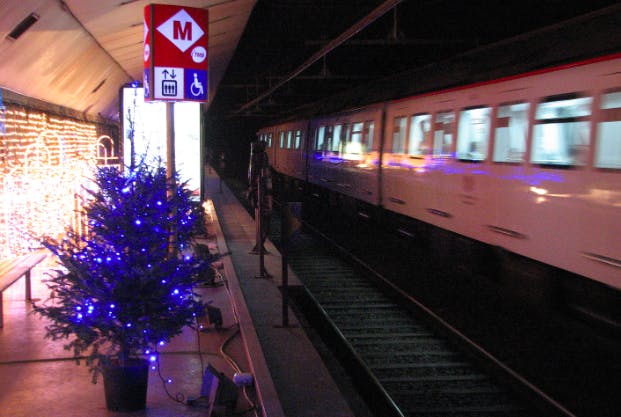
(144, 134)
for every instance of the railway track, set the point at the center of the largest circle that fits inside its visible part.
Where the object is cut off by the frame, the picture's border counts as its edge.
(405, 364)
(404, 359)
(571, 361)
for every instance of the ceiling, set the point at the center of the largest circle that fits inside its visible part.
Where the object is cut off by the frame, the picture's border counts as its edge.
(294, 52)
(80, 52)
(269, 58)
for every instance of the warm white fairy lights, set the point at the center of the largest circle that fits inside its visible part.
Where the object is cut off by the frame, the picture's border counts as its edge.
(44, 161)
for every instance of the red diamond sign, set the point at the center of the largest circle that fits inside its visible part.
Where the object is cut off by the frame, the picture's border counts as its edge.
(181, 30)
(175, 53)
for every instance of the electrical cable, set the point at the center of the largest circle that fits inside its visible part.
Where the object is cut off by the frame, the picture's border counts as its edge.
(180, 397)
(227, 341)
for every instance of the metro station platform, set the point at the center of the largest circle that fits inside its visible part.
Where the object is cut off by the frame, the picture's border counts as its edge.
(38, 378)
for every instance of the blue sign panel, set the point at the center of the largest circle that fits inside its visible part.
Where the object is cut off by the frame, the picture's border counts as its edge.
(147, 83)
(195, 84)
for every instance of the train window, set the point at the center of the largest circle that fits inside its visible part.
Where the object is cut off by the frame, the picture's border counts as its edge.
(328, 138)
(356, 133)
(262, 137)
(420, 135)
(336, 138)
(473, 134)
(282, 140)
(398, 135)
(608, 145)
(362, 136)
(289, 139)
(561, 131)
(298, 139)
(369, 128)
(320, 138)
(443, 134)
(346, 136)
(353, 141)
(511, 131)
(269, 140)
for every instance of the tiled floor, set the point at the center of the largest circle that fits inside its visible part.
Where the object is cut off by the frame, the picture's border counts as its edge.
(38, 378)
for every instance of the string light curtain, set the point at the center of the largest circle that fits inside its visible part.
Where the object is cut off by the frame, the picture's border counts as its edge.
(45, 163)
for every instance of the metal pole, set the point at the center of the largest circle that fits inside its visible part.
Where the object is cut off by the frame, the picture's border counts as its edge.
(170, 141)
(259, 220)
(258, 216)
(170, 174)
(284, 233)
(221, 165)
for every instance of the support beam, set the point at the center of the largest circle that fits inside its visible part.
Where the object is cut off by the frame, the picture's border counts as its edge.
(333, 44)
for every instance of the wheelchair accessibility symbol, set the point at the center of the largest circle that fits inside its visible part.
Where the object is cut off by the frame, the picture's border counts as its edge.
(195, 84)
(197, 87)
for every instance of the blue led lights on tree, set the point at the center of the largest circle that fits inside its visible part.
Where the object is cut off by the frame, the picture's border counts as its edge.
(122, 291)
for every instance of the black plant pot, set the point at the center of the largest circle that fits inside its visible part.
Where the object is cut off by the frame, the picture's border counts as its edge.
(126, 387)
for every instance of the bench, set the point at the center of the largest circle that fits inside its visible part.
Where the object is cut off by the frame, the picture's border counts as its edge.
(12, 270)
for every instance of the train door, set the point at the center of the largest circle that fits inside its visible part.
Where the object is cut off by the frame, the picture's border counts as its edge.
(600, 228)
(269, 145)
(316, 153)
(395, 171)
(361, 168)
(473, 180)
(419, 149)
(288, 153)
(512, 216)
(559, 147)
(299, 162)
(330, 160)
(442, 168)
(278, 155)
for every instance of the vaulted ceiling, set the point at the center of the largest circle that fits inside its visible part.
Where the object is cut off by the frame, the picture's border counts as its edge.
(295, 52)
(267, 58)
(78, 53)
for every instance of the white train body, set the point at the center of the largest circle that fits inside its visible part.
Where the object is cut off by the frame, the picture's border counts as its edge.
(343, 154)
(286, 153)
(530, 163)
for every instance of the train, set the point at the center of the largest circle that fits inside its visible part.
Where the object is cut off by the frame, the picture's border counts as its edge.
(527, 166)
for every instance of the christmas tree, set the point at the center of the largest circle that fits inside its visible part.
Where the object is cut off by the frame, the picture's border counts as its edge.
(127, 285)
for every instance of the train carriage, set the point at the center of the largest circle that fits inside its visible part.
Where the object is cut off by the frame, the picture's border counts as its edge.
(344, 153)
(529, 163)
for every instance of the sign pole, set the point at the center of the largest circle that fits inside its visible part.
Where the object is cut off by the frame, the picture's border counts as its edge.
(175, 69)
(170, 171)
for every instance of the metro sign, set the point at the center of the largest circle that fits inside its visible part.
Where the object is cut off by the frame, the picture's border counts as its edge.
(175, 53)
(181, 30)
